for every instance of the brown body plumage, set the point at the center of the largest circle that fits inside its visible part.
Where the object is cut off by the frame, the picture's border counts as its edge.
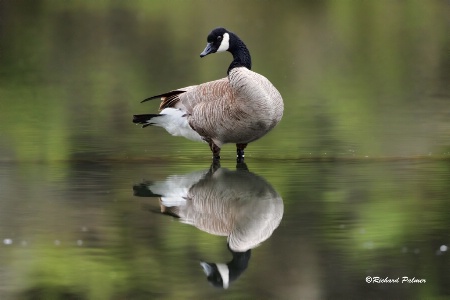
(237, 109)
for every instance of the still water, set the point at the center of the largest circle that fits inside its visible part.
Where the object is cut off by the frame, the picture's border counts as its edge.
(351, 188)
(93, 230)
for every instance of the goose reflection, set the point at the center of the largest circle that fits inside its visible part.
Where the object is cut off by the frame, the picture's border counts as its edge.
(238, 204)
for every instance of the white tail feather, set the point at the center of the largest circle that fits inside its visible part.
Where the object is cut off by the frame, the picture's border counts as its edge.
(175, 122)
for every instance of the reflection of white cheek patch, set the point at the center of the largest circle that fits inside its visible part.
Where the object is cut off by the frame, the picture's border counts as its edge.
(225, 43)
(225, 274)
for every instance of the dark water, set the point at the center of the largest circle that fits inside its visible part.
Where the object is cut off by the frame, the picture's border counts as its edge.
(354, 182)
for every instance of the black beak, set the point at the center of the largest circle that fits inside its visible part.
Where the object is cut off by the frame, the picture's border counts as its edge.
(208, 50)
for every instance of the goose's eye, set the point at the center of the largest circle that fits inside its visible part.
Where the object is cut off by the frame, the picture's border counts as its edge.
(219, 38)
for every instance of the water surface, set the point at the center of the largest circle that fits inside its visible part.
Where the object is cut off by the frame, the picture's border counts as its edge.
(78, 229)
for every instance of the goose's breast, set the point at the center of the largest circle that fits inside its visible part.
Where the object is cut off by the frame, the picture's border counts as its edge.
(257, 107)
(257, 94)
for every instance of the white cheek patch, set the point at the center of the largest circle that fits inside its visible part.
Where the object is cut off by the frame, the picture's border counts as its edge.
(225, 273)
(225, 43)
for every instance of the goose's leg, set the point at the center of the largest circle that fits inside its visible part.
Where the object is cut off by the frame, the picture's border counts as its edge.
(215, 165)
(240, 152)
(215, 150)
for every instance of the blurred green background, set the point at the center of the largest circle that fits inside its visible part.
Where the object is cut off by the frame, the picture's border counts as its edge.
(361, 157)
(365, 78)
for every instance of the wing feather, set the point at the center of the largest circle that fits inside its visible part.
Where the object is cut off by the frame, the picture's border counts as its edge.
(188, 98)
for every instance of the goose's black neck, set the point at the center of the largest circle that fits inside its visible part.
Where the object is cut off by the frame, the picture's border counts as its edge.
(239, 263)
(241, 55)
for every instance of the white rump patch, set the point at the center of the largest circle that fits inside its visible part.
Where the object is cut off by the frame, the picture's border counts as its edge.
(173, 201)
(225, 43)
(175, 122)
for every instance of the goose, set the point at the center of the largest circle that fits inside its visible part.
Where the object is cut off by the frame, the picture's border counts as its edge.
(238, 109)
(239, 204)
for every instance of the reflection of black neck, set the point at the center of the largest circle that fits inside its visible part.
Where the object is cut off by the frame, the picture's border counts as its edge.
(239, 263)
(241, 55)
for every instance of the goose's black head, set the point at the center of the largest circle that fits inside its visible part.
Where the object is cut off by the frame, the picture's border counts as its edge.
(218, 41)
(221, 275)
